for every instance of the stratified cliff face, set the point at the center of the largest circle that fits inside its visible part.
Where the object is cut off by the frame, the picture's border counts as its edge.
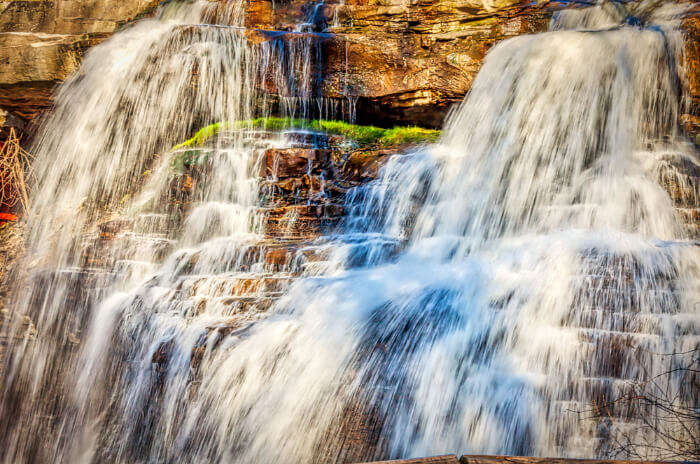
(425, 62)
(404, 62)
(42, 42)
(392, 61)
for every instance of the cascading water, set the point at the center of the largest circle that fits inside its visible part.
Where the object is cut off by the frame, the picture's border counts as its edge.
(479, 292)
(136, 95)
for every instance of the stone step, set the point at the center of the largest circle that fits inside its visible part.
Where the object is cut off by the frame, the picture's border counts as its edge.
(648, 300)
(234, 285)
(129, 268)
(625, 281)
(620, 406)
(298, 227)
(622, 355)
(105, 251)
(282, 254)
(599, 353)
(327, 210)
(306, 221)
(446, 459)
(144, 223)
(634, 322)
(294, 190)
(224, 306)
(285, 163)
(483, 459)
(232, 304)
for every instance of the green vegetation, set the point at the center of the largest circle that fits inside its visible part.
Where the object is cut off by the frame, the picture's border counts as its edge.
(202, 135)
(409, 135)
(188, 158)
(363, 135)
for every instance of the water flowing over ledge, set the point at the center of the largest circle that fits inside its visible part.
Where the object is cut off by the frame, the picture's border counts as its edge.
(475, 295)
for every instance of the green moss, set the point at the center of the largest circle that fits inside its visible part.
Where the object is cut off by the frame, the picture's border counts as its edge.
(188, 158)
(202, 135)
(363, 135)
(409, 135)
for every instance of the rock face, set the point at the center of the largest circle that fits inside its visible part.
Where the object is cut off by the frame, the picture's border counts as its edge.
(42, 42)
(399, 62)
(691, 64)
(73, 17)
(385, 62)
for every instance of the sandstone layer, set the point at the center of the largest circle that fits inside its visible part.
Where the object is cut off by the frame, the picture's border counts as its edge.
(384, 62)
(42, 42)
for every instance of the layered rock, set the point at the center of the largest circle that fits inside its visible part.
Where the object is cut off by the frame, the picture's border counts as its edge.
(42, 42)
(385, 62)
(691, 64)
(398, 62)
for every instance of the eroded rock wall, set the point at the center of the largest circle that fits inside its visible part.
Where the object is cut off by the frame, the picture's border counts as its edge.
(391, 61)
(403, 62)
(43, 41)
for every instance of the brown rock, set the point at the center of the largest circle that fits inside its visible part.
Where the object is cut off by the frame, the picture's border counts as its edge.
(70, 16)
(42, 42)
(400, 63)
(295, 162)
(690, 119)
(446, 459)
(364, 165)
(277, 257)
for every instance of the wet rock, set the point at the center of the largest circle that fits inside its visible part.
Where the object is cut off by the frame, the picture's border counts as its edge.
(364, 165)
(307, 221)
(9, 121)
(680, 177)
(383, 63)
(295, 162)
(401, 63)
(690, 118)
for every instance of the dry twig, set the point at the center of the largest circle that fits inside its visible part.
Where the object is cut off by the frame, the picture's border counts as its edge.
(14, 162)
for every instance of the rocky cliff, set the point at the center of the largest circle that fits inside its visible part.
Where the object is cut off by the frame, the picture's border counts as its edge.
(42, 42)
(390, 61)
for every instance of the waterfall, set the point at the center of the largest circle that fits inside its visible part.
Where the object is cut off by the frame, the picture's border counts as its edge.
(479, 297)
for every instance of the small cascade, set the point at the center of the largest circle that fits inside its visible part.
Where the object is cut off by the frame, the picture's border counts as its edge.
(245, 300)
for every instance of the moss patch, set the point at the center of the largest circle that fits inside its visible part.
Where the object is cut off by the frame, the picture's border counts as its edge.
(188, 158)
(202, 135)
(363, 135)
